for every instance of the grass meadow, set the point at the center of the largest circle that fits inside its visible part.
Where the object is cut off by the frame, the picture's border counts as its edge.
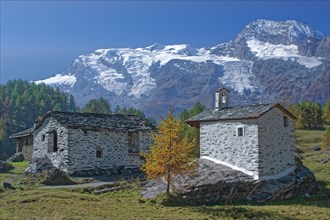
(27, 202)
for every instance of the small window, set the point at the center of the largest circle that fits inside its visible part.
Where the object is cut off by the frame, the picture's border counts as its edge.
(43, 137)
(240, 131)
(99, 153)
(85, 132)
(133, 142)
(26, 141)
(285, 121)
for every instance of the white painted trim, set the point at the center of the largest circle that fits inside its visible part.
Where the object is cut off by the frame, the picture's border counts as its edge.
(250, 173)
(217, 100)
(279, 175)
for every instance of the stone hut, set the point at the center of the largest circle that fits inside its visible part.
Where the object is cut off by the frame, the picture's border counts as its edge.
(24, 143)
(89, 143)
(257, 140)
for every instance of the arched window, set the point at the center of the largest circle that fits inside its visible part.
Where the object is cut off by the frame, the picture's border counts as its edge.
(223, 98)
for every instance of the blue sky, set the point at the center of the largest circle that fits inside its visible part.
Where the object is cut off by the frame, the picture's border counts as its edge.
(40, 38)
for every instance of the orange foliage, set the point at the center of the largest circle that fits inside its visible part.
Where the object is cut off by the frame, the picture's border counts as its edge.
(169, 154)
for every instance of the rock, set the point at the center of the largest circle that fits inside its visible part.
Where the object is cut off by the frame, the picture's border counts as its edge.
(316, 148)
(299, 156)
(5, 167)
(324, 160)
(39, 165)
(299, 150)
(57, 177)
(213, 183)
(307, 195)
(7, 185)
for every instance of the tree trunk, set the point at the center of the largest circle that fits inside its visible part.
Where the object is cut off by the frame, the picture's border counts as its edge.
(168, 183)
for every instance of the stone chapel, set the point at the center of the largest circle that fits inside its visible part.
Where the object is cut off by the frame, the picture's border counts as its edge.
(257, 140)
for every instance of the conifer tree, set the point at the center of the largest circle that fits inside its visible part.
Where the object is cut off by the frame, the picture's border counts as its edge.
(326, 137)
(169, 155)
(326, 113)
(317, 120)
(97, 106)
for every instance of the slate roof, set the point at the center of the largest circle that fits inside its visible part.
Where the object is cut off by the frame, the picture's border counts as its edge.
(236, 113)
(24, 133)
(99, 121)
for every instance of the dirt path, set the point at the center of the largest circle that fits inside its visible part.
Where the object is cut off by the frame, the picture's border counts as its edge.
(84, 185)
(99, 181)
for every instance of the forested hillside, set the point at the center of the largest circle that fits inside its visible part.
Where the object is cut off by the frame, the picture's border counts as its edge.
(21, 103)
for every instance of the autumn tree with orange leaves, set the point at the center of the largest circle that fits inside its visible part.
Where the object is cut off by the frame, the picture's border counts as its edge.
(169, 154)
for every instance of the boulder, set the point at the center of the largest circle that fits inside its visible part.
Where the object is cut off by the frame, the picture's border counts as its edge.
(39, 165)
(324, 160)
(213, 183)
(56, 176)
(316, 148)
(7, 185)
(5, 167)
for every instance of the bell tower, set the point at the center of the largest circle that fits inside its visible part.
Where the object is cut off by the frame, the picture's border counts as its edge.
(221, 98)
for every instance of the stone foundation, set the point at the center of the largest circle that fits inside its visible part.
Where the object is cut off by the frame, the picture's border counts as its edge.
(214, 183)
(110, 171)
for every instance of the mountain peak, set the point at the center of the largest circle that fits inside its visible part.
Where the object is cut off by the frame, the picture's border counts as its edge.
(262, 64)
(155, 46)
(288, 31)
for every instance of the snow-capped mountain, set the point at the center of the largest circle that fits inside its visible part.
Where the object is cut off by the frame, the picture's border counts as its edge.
(267, 62)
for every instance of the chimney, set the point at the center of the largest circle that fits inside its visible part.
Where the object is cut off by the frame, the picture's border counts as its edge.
(221, 98)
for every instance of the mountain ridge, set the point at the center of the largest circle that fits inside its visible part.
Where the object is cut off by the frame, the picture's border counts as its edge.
(264, 54)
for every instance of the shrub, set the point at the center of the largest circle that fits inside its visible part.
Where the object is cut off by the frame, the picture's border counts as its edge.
(5, 167)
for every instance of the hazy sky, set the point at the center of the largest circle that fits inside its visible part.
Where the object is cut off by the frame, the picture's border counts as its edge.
(40, 38)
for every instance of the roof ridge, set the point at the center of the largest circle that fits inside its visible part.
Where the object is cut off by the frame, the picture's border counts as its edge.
(241, 112)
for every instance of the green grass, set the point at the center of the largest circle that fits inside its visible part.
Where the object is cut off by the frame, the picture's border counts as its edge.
(16, 174)
(57, 204)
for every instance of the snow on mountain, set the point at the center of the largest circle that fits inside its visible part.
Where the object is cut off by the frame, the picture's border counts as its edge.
(239, 76)
(265, 50)
(291, 30)
(59, 79)
(136, 63)
(159, 75)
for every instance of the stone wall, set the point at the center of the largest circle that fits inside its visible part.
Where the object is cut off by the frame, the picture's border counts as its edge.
(265, 151)
(77, 149)
(276, 145)
(27, 152)
(219, 141)
(42, 141)
(113, 145)
(25, 145)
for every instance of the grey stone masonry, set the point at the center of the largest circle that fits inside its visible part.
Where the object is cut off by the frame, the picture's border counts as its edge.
(219, 140)
(79, 146)
(113, 148)
(276, 143)
(27, 152)
(43, 141)
(256, 139)
(24, 143)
